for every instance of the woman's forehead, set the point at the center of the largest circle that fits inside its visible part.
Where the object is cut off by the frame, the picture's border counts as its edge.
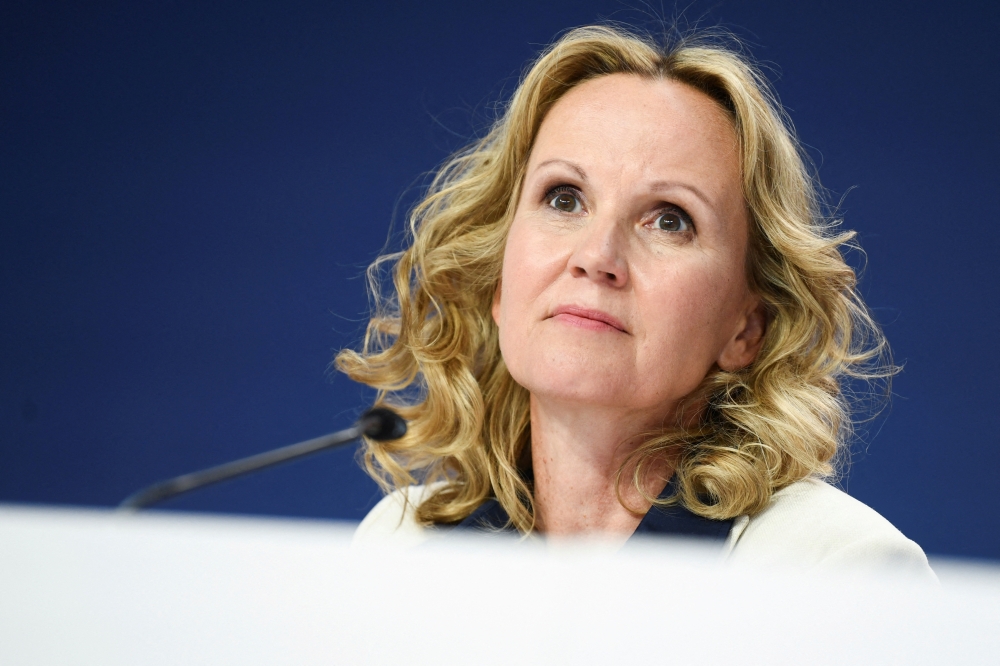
(643, 130)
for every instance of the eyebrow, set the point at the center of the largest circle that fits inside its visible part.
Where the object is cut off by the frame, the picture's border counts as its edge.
(671, 184)
(572, 166)
(655, 185)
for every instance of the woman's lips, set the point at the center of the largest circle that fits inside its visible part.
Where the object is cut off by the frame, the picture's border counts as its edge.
(593, 320)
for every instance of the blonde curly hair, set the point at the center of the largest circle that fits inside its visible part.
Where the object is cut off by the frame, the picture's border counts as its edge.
(432, 348)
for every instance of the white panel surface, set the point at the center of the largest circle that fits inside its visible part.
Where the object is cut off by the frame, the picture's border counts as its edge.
(96, 587)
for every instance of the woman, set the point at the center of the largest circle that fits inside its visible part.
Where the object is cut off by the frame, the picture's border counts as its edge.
(623, 312)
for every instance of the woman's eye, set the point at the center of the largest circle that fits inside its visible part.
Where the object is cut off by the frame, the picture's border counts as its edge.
(672, 220)
(564, 201)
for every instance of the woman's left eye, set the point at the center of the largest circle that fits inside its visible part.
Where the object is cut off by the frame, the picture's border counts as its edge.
(673, 220)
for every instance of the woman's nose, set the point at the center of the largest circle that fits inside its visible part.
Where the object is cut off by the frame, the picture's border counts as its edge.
(599, 253)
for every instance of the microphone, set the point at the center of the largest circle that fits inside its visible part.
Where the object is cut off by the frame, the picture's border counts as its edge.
(379, 423)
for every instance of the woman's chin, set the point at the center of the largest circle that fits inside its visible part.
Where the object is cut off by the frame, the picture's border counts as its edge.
(584, 388)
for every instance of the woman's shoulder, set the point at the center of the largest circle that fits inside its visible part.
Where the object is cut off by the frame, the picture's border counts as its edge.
(394, 519)
(814, 525)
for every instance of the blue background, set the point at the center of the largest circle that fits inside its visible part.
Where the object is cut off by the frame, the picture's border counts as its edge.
(189, 194)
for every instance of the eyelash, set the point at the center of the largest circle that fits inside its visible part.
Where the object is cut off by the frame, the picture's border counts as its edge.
(551, 195)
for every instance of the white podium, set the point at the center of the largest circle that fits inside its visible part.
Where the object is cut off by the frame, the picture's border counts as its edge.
(96, 587)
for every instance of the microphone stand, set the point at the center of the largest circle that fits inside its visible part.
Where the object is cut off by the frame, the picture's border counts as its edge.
(380, 424)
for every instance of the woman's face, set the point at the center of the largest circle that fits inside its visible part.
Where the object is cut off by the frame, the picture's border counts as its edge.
(624, 274)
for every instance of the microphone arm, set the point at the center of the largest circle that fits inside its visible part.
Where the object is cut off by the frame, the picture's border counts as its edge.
(380, 424)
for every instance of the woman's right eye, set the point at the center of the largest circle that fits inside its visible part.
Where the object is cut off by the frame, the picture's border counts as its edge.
(564, 199)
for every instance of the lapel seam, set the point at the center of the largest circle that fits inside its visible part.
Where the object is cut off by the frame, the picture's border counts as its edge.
(739, 526)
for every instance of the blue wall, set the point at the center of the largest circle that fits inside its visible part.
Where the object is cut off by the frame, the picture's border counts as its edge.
(189, 196)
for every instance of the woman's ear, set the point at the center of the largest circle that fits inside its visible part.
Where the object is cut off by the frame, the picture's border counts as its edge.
(496, 304)
(742, 349)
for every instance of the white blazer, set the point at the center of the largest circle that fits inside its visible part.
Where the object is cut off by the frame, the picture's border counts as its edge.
(809, 525)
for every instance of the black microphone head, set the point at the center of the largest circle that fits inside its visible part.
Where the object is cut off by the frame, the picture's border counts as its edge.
(382, 424)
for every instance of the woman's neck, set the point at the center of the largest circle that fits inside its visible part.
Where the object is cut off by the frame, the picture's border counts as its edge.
(576, 452)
